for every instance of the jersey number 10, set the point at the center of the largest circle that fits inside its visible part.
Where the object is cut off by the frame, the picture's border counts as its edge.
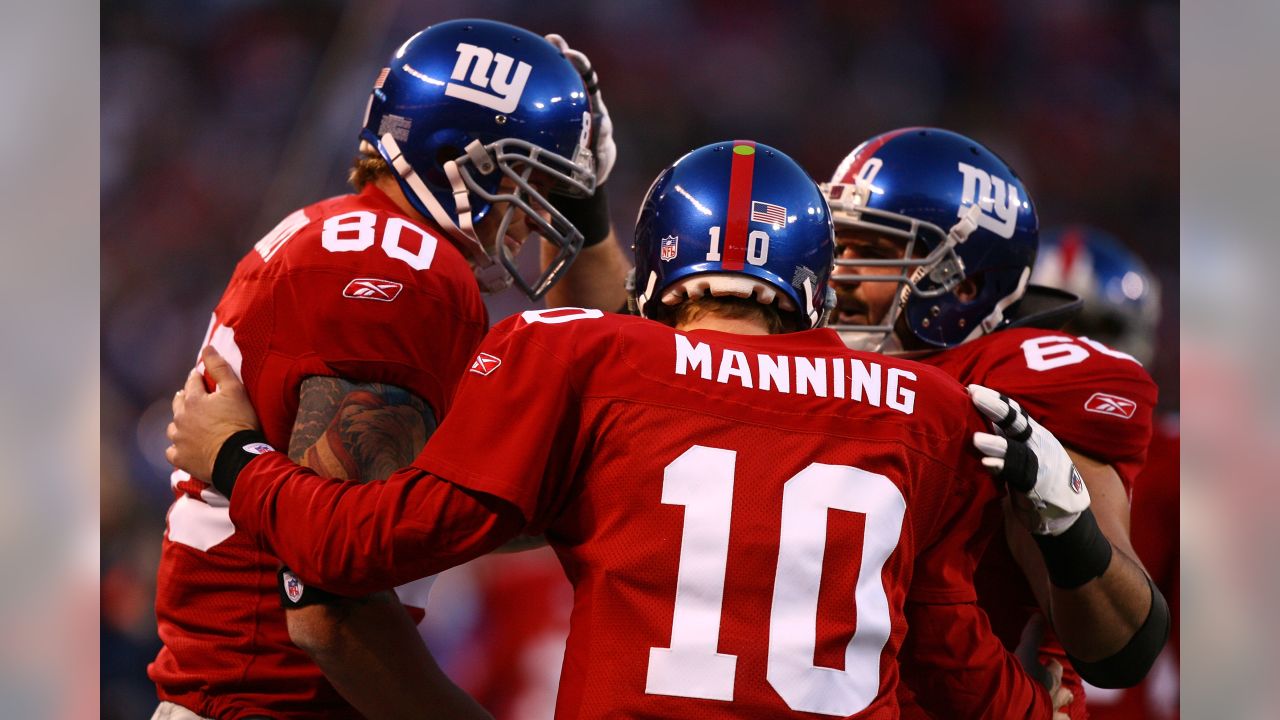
(702, 481)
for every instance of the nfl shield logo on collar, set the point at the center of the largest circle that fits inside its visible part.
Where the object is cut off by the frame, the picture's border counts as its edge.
(670, 245)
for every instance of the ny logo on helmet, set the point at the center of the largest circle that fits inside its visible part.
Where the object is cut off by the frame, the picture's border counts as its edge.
(506, 85)
(997, 198)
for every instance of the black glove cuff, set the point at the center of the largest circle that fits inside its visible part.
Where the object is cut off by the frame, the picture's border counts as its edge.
(232, 457)
(1078, 555)
(294, 594)
(590, 215)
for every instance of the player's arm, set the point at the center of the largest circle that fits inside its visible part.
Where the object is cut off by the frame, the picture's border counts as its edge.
(596, 279)
(350, 538)
(1076, 552)
(951, 662)
(1099, 621)
(368, 647)
(955, 667)
(598, 275)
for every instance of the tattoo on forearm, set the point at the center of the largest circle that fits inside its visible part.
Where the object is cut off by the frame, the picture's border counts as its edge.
(361, 431)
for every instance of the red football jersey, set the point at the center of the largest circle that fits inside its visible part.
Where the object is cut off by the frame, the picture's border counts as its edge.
(1155, 537)
(1096, 400)
(745, 520)
(348, 287)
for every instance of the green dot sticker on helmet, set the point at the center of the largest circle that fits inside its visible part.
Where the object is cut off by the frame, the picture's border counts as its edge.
(744, 150)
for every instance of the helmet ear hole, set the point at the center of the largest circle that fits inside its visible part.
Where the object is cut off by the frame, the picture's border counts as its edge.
(434, 174)
(969, 288)
(445, 153)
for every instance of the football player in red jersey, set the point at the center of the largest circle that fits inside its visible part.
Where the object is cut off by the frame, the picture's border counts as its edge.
(751, 514)
(936, 240)
(350, 324)
(1122, 310)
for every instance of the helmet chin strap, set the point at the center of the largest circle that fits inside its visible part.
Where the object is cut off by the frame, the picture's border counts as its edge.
(996, 318)
(491, 276)
(639, 300)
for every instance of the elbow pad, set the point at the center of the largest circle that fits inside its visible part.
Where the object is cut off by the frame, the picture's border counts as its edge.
(1129, 665)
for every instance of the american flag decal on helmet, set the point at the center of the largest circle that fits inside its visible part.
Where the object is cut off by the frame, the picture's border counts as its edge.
(768, 213)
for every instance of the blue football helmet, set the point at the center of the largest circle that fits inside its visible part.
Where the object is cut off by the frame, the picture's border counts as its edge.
(1121, 296)
(735, 218)
(960, 212)
(464, 105)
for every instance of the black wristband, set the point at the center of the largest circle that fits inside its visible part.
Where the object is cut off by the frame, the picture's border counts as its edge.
(235, 453)
(1078, 555)
(295, 594)
(1129, 665)
(589, 214)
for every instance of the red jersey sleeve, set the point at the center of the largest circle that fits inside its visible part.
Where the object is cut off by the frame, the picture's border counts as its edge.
(1095, 400)
(354, 538)
(953, 534)
(952, 663)
(953, 666)
(944, 568)
(514, 431)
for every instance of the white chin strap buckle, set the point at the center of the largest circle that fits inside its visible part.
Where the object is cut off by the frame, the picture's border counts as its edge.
(492, 277)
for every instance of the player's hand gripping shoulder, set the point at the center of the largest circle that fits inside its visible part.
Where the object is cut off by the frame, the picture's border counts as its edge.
(598, 274)
(603, 147)
(1050, 494)
(202, 420)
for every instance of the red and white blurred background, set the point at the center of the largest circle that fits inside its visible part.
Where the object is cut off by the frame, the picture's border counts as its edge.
(217, 116)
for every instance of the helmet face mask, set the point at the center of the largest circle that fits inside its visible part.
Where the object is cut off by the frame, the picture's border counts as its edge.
(520, 192)
(738, 219)
(958, 212)
(474, 115)
(936, 273)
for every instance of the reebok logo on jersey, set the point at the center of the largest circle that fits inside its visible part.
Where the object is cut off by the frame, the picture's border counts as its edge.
(485, 364)
(1111, 405)
(372, 289)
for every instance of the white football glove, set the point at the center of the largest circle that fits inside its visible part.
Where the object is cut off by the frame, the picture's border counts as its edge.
(606, 152)
(1030, 460)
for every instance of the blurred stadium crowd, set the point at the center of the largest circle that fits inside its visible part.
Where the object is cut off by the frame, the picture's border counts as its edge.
(219, 117)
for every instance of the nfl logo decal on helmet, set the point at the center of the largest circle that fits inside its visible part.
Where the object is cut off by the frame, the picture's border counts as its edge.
(467, 104)
(670, 248)
(735, 218)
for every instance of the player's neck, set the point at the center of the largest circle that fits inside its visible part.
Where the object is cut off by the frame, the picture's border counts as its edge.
(389, 187)
(738, 326)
